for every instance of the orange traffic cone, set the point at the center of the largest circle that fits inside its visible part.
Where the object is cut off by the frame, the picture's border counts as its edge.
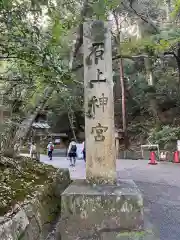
(176, 157)
(153, 159)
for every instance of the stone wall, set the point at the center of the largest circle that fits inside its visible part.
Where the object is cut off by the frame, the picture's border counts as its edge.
(33, 219)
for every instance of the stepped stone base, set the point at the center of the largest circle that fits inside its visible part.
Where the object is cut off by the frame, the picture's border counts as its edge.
(94, 212)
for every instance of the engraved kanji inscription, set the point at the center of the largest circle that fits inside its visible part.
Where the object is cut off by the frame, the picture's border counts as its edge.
(99, 130)
(94, 103)
(103, 101)
(97, 50)
(100, 78)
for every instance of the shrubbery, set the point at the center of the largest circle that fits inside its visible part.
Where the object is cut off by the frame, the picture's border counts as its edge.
(166, 137)
(20, 179)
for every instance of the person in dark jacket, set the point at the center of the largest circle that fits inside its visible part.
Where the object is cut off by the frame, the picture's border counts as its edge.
(84, 152)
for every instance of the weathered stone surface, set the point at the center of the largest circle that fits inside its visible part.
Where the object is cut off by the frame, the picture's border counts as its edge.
(89, 211)
(149, 232)
(33, 219)
(33, 230)
(29, 210)
(15, 226)
(99, 103)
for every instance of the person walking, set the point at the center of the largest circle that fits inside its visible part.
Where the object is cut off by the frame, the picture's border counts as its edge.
(72, 153)
(33, 151)
(50, 148)
(84, 151)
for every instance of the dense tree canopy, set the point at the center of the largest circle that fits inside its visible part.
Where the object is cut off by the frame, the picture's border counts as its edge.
(41, 61)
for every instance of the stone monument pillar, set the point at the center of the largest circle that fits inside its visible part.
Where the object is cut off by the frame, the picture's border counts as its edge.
(99, 207)
(99, 103)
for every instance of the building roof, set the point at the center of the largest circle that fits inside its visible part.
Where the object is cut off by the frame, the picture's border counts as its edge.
(58, 134)
(40, 125)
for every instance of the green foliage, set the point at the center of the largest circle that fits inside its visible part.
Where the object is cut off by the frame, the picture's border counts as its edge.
(134, 234)
(102, 8)
(176, 8)
(35, 57)
(31, 176)
(68, 101)
(138, 46)
(164, 136)
(154, 44)
(35, 47)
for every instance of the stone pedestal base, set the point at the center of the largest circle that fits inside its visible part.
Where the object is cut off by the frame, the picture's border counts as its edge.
(96, 212)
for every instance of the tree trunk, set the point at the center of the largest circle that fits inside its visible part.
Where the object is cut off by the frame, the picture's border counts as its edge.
(118, 39)
(168, 9)
(149, 74)
(126, 142)
(71, 122)
(27, 123)
(158, 116)
(17, 136)
(38, 148)
(1, 127)
(8, 145)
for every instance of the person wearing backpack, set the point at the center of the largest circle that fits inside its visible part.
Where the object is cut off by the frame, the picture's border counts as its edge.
(50, 148)
(72, 152)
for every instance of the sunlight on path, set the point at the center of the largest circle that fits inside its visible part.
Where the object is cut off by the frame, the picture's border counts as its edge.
(138, 170)
(77, 172)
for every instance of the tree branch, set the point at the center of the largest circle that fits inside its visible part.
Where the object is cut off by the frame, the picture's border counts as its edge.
(79, 39)
(115, 58)
(129, 57)
(147, 20)
(173, 54)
